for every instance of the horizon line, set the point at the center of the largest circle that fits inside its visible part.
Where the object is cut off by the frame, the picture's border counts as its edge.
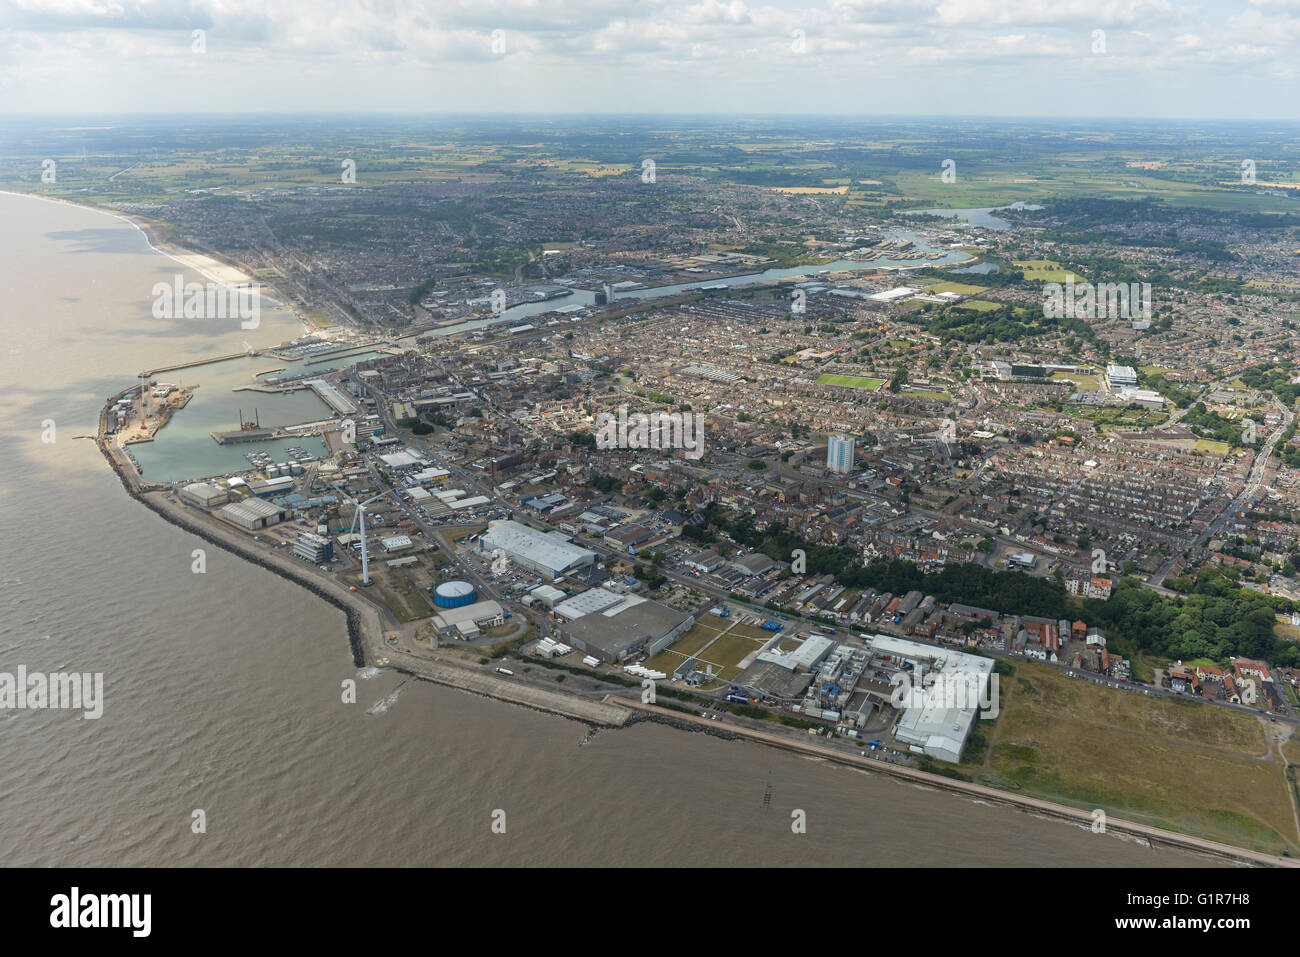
(1056, 118)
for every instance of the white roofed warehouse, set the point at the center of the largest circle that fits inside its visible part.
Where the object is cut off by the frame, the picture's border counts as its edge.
(548, 553)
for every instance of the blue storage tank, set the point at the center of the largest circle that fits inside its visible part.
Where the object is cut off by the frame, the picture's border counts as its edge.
(454, 594)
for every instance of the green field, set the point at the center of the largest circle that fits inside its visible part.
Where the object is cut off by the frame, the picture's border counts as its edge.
(727, 652)
(1078, 378)
(1209, 445)
(723, 644)
(1045, 270)
(686, 646)
(1182, 765)
(961, 288)
(852, 381)
(979, 305)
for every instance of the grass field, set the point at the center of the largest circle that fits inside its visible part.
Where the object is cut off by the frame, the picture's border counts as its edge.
(723, 643)
(923, 394)
(1044, 269)
(1210, 445)
(961, 288)
(978, 305)
(687, 645)
(1175, 764)
(1288, 631)
(727, 652)
(1078, 378)
(852, 381)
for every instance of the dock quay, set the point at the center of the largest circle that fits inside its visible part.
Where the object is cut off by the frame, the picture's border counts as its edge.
(270, 389)
(237, 436)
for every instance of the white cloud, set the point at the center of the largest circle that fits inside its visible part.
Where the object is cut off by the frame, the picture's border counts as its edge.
(136, 54)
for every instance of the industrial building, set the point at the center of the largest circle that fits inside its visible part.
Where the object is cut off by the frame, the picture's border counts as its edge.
(755, 563)
(802, 659)
(454, 594)
(204, 495)
(467, 620)
(620, 627)
(395, 543)
(331, 396)
(548, 553)
(548, 595)
(705, 560)
(252, 514)
(314, 548)
(429, 476)
(272, 486)
(934, 725)
(1147, 398)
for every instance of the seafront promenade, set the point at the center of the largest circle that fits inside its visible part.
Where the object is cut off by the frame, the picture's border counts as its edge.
(1081, 818)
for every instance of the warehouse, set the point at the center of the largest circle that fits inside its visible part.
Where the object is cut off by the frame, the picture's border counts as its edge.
(274, 486)
(473, 501)
(547, 553)
(428, 476)
(403, 459)
(252, 514)
(466, 620)
(755, 563)
(628, 536)
(204, 495)
(331, 396)
(705, 560)
(548, 595)
(940, 721)
(587, 603)
(627, 627)
(801, 659)
(395, 543)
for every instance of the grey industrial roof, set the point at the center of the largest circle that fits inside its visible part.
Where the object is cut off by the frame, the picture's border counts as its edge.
(765, 677)
(612, 633)
(549, 549)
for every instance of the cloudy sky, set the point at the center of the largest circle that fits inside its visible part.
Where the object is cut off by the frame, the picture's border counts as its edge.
(1093, 58)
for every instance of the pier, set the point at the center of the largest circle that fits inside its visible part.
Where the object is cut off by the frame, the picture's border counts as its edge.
(198, 362)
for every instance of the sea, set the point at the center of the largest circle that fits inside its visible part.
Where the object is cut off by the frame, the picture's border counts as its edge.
(225, 738)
